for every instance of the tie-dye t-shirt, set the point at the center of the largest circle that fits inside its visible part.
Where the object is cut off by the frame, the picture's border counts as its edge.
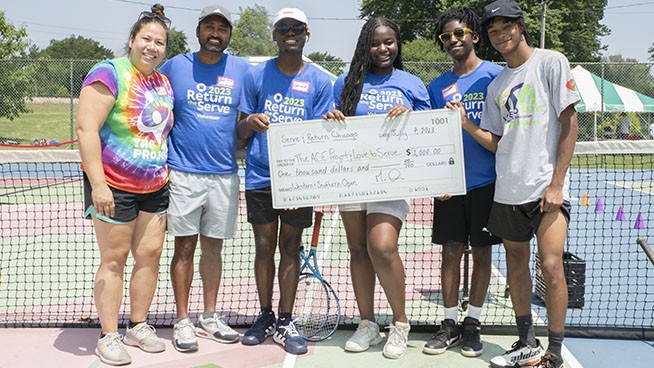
(135, 134)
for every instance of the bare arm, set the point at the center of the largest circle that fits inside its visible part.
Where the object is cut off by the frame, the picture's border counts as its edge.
(95, 103)
(485, 138)
(251, 123)
(553, 196)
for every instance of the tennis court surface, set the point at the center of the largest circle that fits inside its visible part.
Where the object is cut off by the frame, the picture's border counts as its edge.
(48, 258)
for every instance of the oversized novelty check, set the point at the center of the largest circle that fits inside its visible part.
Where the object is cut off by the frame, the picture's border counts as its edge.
(366, 159)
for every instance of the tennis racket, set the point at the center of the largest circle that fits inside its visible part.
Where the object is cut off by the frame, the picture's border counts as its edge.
(317, 310)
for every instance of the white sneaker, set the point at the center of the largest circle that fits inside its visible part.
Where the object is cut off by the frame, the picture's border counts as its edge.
(145, 337)
(395, 347)
(184, 336)
(215, 328)
(366, 335)
(111, 351)
(520, 355)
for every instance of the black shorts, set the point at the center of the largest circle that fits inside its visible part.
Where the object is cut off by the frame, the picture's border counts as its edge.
(463, 218)
(520, 222)
(127, 204)
(261, 211)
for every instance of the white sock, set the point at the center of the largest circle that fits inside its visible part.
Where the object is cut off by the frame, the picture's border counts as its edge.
(452, 313)
(474, 312)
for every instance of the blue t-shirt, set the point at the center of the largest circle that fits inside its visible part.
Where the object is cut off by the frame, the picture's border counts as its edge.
(285, 99)
(381, 92)
(203, 139)
(471, 90)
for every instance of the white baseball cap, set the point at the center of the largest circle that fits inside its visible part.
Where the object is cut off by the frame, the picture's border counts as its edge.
(292, 13)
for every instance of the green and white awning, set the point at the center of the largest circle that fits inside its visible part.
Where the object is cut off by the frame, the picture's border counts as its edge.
(615, 99)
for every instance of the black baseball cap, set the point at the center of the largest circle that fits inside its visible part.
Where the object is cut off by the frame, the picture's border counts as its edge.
(501, 8)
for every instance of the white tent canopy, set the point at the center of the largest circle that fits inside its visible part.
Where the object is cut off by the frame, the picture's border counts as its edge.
(600, 95)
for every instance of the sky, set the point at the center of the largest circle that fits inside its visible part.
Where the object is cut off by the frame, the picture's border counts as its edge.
(334, 23)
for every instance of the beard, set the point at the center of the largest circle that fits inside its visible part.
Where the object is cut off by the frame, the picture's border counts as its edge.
(214, 47)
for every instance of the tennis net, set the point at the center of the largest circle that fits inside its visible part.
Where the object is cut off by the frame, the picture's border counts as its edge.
(48, 254)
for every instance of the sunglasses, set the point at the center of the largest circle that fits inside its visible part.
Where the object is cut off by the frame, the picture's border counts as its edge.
(296, 29)
(459, 33)
(150, 15)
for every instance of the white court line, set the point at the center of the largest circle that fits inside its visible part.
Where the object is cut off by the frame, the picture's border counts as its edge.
(570, 359)
(639, 186)
(327, 242)
(289, 360)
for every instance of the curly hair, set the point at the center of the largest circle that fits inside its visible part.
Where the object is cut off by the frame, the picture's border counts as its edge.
(464, 15)
(361, 63)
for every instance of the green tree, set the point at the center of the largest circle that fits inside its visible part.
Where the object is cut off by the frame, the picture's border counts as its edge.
(252, 33)
(14, 82)
(334, 64)
(177, 43)
(651, 53)
(572, 27)
(628, 73)
(413, 17)
(76, 48)
(425, 60)
(62, 66)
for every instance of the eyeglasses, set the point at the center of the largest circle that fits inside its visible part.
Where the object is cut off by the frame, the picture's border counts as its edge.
(458, 32)
(296, 29)
(150, 15)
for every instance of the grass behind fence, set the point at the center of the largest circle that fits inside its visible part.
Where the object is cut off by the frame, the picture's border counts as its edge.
(49, 120)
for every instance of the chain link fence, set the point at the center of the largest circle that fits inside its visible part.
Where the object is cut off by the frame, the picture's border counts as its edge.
(38, 101)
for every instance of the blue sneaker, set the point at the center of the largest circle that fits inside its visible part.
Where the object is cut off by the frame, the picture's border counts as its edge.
(263, 327)
(287, 336)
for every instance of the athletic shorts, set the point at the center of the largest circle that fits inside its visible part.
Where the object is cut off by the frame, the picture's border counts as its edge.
(127, 205)
(520, 222)
(462, 219)
(204, 204)
(397, 208)
(261, 211)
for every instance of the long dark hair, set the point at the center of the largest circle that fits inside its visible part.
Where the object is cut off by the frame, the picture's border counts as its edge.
(158, 11)
(361, 63)
(463, 15)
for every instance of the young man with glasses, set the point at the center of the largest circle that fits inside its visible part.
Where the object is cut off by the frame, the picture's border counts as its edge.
(204, 184)
(285, 90)
(530, 121)
(461, 220)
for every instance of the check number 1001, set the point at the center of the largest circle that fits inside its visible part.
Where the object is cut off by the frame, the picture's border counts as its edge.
(430, 129)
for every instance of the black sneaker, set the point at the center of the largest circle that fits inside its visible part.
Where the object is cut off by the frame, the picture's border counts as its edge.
(470, 334)
(446, 337)
(263, 327)
(551, 360)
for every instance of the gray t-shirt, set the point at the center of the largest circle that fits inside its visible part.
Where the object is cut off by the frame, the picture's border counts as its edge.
(522, 107)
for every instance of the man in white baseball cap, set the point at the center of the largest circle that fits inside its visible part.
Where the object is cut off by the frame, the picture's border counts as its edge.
(266, 86)
(292, 13)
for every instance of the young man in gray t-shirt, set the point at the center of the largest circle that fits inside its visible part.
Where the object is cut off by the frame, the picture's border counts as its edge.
(530, 122)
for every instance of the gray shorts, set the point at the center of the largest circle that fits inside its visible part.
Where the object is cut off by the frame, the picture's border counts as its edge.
(396, 208)
(205, 204)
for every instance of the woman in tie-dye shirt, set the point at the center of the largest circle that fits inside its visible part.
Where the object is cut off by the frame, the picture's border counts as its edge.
(125, 114)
